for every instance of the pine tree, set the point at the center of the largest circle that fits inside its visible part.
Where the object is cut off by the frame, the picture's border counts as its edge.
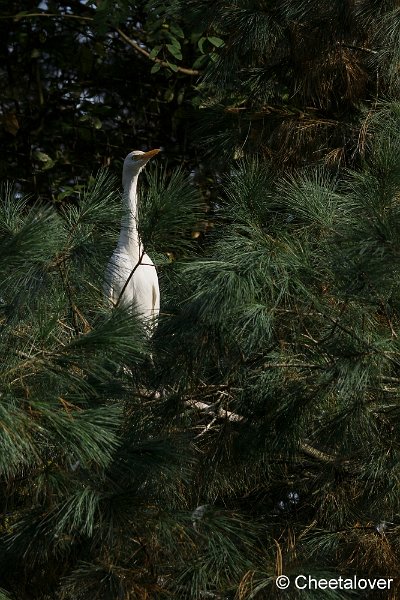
(293, 345)
(264, 436)
(96, 494)
(291, 80)
(256, 433)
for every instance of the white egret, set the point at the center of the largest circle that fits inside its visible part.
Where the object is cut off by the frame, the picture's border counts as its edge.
(131, 277)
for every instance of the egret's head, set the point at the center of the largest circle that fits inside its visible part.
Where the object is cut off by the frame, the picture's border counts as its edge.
(134, 162)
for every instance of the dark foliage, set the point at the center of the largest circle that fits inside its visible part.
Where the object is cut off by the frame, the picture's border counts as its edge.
(257, 432)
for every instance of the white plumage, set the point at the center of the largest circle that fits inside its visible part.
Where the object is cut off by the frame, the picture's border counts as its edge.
(131, 277)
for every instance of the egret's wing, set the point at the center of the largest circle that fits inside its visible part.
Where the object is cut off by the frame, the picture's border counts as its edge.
(117, 272)
(145, 290)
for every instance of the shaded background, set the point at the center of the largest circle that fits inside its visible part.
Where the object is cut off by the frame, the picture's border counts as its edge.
(81, 85)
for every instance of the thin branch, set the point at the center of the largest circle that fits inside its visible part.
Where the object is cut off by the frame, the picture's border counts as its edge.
(76, 313)
(364, 342)
(314, 453)
(335, 324)
(145, 53)
(385, 378)
(362, 48)
(19, 17)
(221, 413)
(284, 365)
(129, 278)
(207, 427)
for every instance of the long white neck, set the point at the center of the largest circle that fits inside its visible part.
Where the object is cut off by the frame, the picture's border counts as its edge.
(129, 236)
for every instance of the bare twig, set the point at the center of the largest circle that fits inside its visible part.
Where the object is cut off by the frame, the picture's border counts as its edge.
(233, 417)
(76, 313)
(220, 412)
(362, 48)
(19, 17)
(289, 365)
(318, 454)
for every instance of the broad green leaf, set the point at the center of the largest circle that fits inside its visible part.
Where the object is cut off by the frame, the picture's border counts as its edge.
(172, 66)
(180, 95)
(200, 44)
(155, 68)
(176, 29)
(216, 41)
(155, 52)
(175, 51)
(200, 61)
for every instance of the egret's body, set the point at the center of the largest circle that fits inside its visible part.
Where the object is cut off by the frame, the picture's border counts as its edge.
(131, 277)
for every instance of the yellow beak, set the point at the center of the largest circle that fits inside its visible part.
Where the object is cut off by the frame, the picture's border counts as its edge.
(149, 154)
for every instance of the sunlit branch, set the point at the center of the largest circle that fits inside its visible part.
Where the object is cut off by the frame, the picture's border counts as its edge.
(163, 63)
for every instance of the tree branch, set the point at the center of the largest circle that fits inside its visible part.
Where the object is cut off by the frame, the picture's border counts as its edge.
(222, 413)
(127, 39)
(19, 17)
(145, 53)
(289, 365)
